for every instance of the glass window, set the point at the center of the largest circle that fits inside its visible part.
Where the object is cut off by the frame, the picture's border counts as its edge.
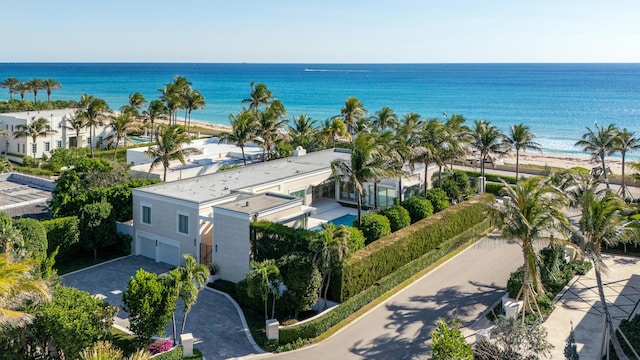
(59, 143)
(146, 214)
(183, 224)
(47, 146)
(34, 148)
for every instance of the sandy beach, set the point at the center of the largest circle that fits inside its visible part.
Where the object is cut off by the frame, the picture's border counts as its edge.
(565, 161)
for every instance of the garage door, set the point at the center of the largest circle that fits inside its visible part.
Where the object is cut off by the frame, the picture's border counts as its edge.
(168, 254)
(147, 247)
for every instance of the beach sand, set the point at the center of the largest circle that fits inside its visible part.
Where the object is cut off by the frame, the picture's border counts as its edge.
(565, 161)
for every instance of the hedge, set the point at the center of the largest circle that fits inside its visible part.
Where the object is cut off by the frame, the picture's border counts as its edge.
(273, 241)
(374, 226)
(398, 216)
(438, 198)
(391, 252)
(62, 232)
(419, 208)
(494, 188)
(314, 328)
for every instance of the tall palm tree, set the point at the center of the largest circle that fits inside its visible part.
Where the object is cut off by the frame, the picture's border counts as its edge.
(384, 118)
(121, 125)
(600, 143)
(602, 222)
(21, 89)
(192, 100)
(77, 123)
(50, 85)
(192, 277)
(270, 124)
(260, 95)
(302, 130)
(10, 83)
(169, 146)
(330, 248)
(433, 141)
(521, 138)
(171, 96)
(368, 161)
(332, 128)
(459, 134)
(351, 112)
(406, 145)
(242, 131)
(93, 111)
(35, 85)
(136, 103)
(155, 110)
(528, 211)
(263, 279)
(16, 287)
(625, 141)
(487, 139)
(34, 130)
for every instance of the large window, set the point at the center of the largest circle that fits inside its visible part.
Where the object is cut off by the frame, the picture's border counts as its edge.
(47, 146)
(300, 193)
(386, 196)
(183, 223)
(347, 191)
(146, 214)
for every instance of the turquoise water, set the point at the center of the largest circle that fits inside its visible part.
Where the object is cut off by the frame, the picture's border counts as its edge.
(346, 220)
(556, 100)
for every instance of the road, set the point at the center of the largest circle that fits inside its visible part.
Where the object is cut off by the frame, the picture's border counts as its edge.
(399, 328)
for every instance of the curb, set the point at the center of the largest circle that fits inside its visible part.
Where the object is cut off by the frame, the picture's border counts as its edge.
(96, 265)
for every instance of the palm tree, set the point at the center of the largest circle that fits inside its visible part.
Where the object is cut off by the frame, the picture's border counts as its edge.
(169, 142)
(10, 83)
(192, 100)
(351, 112)
(77, 123)
(486, 139)
(406, 146)
(136, 103)
(17, 286)
(529, 210)
(93, 111)
(34, 86)
(269, 126)
(302, 130)
(625, 141)
(242, 131)
(50, 85)
(432, 140)
(260, 95)
(384, 118)
(22, 88)
(154, 111)
(330, 248)
(122, 125)
(171, 96)
(521, 138)
(368, 161)
(602, 222)
(599, 143)
(192, 277)
(459, 134)
(332, 128)
(264, 279)
(34, 130)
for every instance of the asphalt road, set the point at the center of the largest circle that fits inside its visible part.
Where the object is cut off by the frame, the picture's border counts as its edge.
(399, 328)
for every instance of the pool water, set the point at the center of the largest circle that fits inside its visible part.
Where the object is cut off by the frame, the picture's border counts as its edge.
(346, 220)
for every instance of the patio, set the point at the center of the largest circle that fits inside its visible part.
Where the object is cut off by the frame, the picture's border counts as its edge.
(327, 210)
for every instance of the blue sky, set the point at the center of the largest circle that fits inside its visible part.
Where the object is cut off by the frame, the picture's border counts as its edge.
(329, 31)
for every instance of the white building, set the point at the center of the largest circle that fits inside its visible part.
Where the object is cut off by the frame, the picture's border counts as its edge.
(209, 216)
(62, 135)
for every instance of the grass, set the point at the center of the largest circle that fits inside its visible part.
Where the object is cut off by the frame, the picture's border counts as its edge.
(123, 341)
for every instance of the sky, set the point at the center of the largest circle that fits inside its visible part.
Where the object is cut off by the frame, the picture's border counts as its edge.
(328, 31)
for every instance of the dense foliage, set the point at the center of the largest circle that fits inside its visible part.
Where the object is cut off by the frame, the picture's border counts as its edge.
(374, 226)
(34, 236)
(438, 199)
(62, 233)
(398, 217)
(303, 280)
(272, 241)
(418, 207)
(96, 223)
(356, 239)
(448, 342)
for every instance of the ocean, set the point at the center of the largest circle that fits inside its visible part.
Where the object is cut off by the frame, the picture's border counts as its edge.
(558, 101)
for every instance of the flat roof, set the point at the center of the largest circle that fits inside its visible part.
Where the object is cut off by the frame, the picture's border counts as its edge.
(206, 188)
(257, 203)
(22, 200)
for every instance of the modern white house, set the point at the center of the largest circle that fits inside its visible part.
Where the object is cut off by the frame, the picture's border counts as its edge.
(209, 216)
(62, 135)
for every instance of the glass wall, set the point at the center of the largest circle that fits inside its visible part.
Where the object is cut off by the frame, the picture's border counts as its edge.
(386, 196)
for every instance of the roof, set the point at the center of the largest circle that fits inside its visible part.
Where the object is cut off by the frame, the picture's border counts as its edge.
(258, 203)
(19, 200)
(207, 188)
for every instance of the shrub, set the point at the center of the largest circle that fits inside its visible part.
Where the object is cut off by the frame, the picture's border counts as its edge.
(580, 267)
(62, 233)
(34, 235)
(493, 177)
(224, 286)
(160, 346)
(493, 188)
(374, 226)
(418, 207)
(514, 284)
(438, 199)
(356, 239)
(388, 254)
(272, 241)
(97, 227)
(302, 279)
(398, 217)
(174, 354)
(450, 188)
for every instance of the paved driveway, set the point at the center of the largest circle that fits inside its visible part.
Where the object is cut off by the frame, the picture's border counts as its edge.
(217, 329)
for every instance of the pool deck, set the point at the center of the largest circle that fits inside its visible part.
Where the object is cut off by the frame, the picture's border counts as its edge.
(327, 210)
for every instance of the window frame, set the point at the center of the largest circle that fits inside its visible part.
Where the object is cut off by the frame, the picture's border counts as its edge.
(178, 215)
(142, 217)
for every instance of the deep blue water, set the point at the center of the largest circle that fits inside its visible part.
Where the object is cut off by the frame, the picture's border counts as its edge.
(556, 100)
(346, 220)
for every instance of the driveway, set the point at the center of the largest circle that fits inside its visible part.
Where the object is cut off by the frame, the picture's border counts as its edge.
(216, 326)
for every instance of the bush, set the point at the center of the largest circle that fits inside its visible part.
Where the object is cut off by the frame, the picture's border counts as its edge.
(580, 267)
(438, 199)
(302, 279)
(418, 207)
(450, 188)
(356, 239)
(493, 188)
(62, 233)
(273, 241)
(160, 346)
(97, 227)
(631, 329)
(374, 226)
(514, 284)
(493, 177)
(34, 235)
(398, 217)
(224, 286)
(174, 354)
(388, 254)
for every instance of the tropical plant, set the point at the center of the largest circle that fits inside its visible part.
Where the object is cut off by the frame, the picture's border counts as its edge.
(269, 127)
(487, 139)
(600, 143)
(97, 226)
(432, 140)
(191, 279)
(351, 112)
(17, 286)
(169, 146)
(10, 83)
(263, 280)
(459, 134)
(384, 119)
(302, 279)
(260, 95)
(330, 247)
(50, 85)
(136, 103)
(35, 85)
(625, 141)
(529, 211)
(191, 100)
(511, 339)
(406, 146)
(76, 123)
(448, 342)
(333, 128)
(302, 130)
(121, 125)
(242, 131)
(172, 96)
(93, 112)
(521, 138)
(155, 110)
(34, 130)
(367, 161)
(21, 89)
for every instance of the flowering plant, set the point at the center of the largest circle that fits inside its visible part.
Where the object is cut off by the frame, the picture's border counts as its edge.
(160, 346)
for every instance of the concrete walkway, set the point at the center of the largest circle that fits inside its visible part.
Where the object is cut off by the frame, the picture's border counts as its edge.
(579, 304)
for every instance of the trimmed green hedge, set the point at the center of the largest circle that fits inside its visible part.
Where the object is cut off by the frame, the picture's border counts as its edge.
(374, 226)
(314, 328)
(62, 232)
(418, 207)
(398, 216)
(273, 241)
(383, 257)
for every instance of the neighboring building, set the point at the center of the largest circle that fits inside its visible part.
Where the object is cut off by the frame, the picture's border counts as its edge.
(62, 137)
(208, 216)
(23, 195)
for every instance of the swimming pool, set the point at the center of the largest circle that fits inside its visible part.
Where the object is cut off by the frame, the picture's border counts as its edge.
(346, 220)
